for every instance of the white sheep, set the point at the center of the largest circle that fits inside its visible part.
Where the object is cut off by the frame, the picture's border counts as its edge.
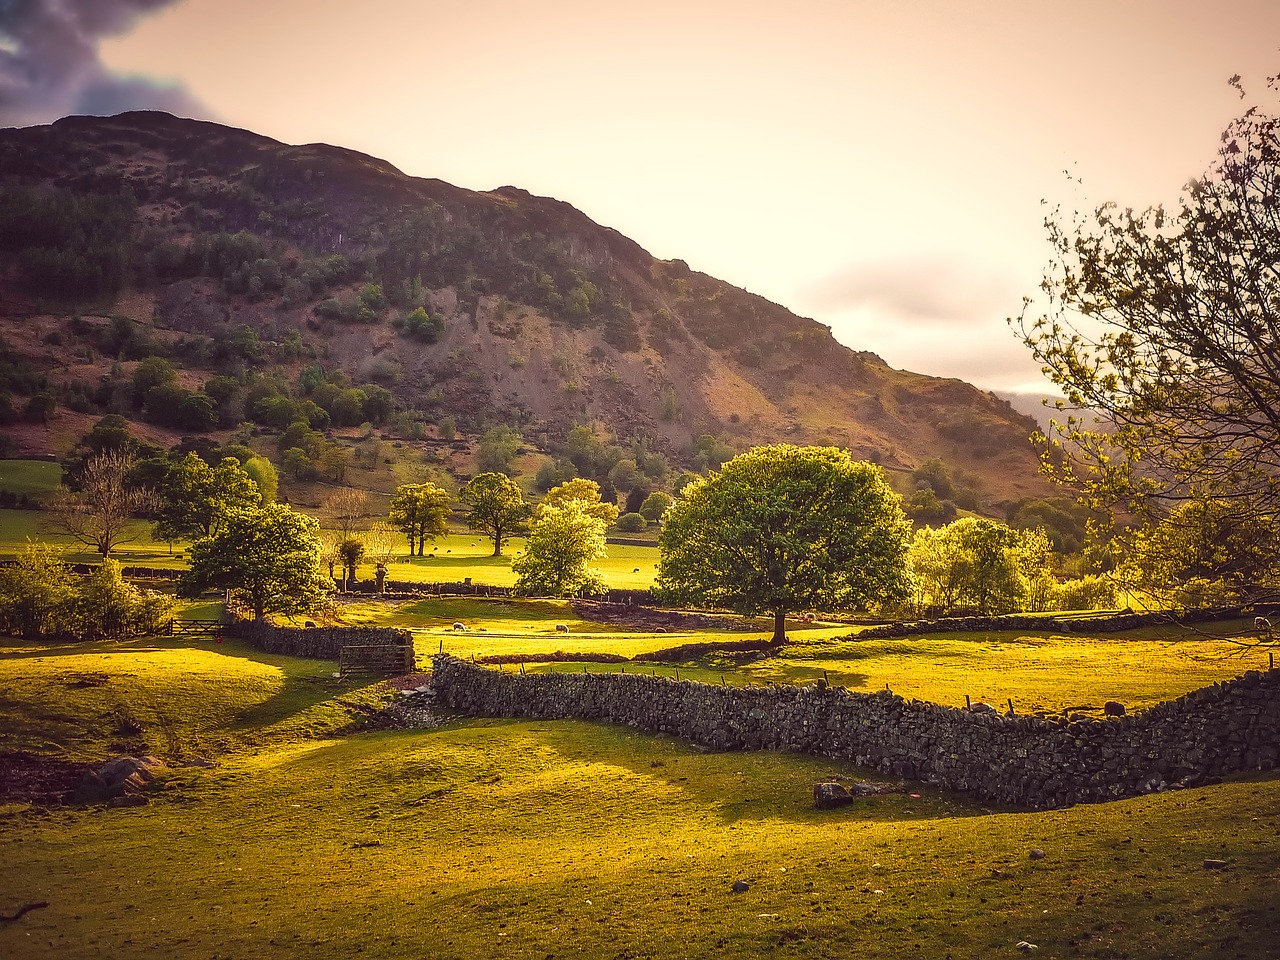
(1262, 625)
(459, 627)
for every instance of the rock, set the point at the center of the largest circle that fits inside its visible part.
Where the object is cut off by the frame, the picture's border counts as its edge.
(1113, 708)
(828, 796)
(740, 886)
(1215, 864)
(116, 779)
(1037, 854)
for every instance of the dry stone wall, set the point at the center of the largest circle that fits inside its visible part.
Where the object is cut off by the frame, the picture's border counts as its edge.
(1022, 761)
(319, 643)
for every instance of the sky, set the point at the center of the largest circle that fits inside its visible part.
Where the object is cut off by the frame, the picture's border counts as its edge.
(879, 166)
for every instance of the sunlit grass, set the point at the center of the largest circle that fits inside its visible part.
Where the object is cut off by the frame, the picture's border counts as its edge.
(31, 477)
(573, 840)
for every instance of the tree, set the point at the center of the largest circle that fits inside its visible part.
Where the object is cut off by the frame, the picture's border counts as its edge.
(263, 473)
(1203, 554)
(350, 552)
(563, 543)
(1160, 329)
(497, 507)
(632, 523)
(98, 514)
(106, 605)
(269, 555)
(785, 528)
(498, 448)
(655, 505)
(583, 491)
(35, 592)
(194, 497)
(982, 565)
(345, 509)
(421, 512)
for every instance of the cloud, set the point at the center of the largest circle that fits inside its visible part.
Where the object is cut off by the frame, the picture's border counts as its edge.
(919, 288)
(50, 67)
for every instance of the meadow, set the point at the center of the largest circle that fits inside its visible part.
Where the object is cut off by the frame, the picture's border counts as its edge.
(312, 836)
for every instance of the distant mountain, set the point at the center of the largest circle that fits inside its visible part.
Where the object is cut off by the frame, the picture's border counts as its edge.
(255, 266)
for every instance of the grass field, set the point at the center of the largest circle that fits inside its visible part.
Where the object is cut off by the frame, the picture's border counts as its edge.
(31, 477)
(565, 839)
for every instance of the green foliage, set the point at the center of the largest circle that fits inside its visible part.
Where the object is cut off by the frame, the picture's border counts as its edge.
(553, 473)
(195, 498)
(980, 565)
(655, 505)
(582, 491)
(497, 450)
(1168, 399)
(68, 244)
(564, 541)
(35, 592)
(496, 507)
(424, 326)
(632, 523)
(41, 597)
(421, 512)
(270, 556)
(263, 473)
(1086, 593)
(785, 528)
(1207, 553)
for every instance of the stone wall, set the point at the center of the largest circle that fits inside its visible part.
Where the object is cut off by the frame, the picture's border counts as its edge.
(319, 643)
(1021, 761)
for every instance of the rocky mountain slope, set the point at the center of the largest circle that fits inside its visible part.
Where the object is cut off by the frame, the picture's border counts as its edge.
(240, 257)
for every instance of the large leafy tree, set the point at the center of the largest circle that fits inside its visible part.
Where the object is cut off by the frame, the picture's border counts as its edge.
(583, 491)
(786, 528)
(194, 497)
(421, 512)
(1160, 329)
(564, 541)
(496, 507)
(269, 555)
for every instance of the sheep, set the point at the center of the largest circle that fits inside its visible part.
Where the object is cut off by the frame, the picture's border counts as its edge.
(562, 628)
(459, 627)
(1113, 708)
(1262, 625)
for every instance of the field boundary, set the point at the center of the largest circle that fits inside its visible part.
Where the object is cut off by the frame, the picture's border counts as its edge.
(1027, 762)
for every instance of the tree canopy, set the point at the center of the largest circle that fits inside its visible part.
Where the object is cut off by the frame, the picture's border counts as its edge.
(421, 512)
(270, 555)
(100, 513)
(194, 497)
(1160, 328)
(497, 507)
(563, 542)
(583, 491)
(785, 528)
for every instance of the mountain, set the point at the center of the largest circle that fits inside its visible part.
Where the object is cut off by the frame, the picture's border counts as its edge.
(261, 269)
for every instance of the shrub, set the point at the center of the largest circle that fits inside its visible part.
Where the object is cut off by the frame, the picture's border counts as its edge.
(632, 523)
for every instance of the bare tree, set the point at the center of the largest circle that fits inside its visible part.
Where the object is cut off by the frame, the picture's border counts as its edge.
(98, 514)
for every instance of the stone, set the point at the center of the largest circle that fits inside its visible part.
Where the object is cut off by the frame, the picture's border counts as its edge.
(740, 886)
(117, 778)
(1037, 854)
(829, 796)
(1215, 864)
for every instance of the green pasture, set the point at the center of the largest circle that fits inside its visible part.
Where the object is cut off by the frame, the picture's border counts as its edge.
(31, 477)
(461, 555)
(533, 839)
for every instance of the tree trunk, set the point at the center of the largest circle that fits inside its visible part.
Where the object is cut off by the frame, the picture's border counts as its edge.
(497, 544)
(779, 626)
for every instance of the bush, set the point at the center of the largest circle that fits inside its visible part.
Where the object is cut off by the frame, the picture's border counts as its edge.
(632, 523)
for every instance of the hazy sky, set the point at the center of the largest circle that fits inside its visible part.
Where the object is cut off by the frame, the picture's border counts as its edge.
(878, 166)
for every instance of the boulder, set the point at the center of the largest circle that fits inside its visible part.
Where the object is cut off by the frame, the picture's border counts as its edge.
(828, 796)
(123, 776)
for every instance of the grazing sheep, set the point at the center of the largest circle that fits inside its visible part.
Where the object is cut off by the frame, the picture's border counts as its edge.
(562, 628)
(459, 627)
(1262, 625)
(1113, 708)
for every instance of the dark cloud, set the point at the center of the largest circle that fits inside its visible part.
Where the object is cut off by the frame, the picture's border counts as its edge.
(49, 63)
